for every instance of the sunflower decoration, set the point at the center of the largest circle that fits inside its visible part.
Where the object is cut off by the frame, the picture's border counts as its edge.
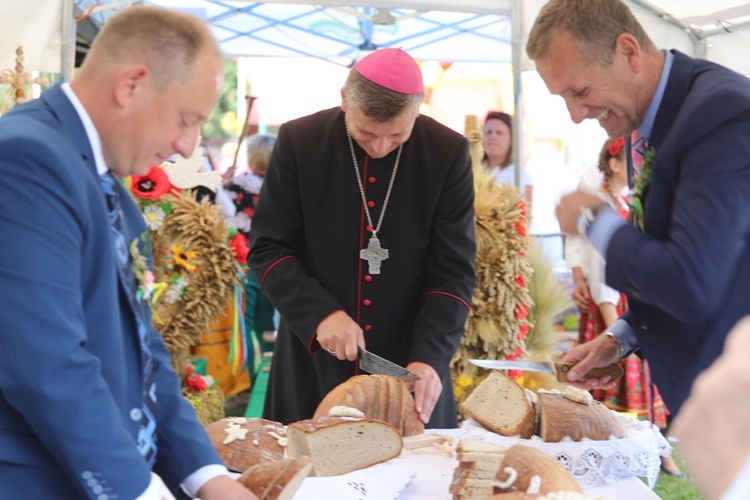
(195, 271)
(498, 319)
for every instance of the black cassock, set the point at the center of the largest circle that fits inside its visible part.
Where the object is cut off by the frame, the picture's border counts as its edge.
(309, 227)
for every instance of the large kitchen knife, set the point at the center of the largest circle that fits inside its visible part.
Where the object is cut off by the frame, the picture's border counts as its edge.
(559, 370)
(371, 363)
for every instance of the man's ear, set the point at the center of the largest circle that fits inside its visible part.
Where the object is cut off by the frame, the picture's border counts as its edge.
(628, 47)
(130, 82)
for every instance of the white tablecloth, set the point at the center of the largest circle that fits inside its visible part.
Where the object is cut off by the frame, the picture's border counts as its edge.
(420, 476)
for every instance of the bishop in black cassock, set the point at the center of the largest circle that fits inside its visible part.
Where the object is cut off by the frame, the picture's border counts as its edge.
(310, 227)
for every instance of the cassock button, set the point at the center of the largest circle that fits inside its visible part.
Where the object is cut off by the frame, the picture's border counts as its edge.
(366, 302)
(368, 228)
(368, 328)
(371, 204)
(136, 414)
(368, 278)
(372, 180)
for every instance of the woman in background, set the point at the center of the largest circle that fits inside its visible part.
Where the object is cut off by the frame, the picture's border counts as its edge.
(498, 154)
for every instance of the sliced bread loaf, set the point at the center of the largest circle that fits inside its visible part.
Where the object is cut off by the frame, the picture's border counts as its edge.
(500, 404)
(377, 396)
(342, 444)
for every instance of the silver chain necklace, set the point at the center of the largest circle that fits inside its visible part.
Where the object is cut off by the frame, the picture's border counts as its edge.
(374, 254)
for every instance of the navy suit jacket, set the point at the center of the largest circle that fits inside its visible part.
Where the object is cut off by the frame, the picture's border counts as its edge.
(687, 276)
(71, 383)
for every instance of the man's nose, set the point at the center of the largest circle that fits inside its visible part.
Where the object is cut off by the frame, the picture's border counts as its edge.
(187, 141)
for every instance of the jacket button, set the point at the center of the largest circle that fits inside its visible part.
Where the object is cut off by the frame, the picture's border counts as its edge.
(371, 204)
(136, 414)
(366, 302)
(368, 328)
(372, 180)
(368, 278)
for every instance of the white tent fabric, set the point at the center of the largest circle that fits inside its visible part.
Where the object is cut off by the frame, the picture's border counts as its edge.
(444, 30)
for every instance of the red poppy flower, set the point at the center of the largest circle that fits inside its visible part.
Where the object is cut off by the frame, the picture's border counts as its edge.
(521, 281)
(522, 207)
(194, 382)
(249, 211)
(239, 244)
(154, 184)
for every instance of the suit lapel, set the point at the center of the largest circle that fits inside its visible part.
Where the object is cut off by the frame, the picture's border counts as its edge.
(678, 86)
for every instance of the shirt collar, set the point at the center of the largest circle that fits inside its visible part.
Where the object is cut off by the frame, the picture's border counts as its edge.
(647, 124)
(88, 125)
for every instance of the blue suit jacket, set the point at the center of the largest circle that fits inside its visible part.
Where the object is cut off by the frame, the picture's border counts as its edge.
(71, 383)
(687, 277)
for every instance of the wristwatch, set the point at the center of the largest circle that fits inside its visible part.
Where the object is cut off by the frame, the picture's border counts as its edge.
(584, 220)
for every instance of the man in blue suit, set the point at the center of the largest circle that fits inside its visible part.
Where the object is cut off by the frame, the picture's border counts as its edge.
(73, 386)
(685, 265)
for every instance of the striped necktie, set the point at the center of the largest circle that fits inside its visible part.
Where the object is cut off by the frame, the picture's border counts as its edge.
(147, 433)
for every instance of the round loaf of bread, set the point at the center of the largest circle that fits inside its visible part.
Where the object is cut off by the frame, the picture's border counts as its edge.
(243, 442)
(528, 462)
(380, 397)
(560, 417)
(278, 480)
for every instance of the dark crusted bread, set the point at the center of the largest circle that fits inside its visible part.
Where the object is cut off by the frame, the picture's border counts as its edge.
(239, 449)
(560, 417)
(277, 480)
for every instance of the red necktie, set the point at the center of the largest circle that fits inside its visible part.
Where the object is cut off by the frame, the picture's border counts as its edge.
(637, 150)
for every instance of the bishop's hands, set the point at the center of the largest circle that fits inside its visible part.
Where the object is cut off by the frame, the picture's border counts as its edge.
(598, 353)
(340, 335)
(572, 205)
(426, 391)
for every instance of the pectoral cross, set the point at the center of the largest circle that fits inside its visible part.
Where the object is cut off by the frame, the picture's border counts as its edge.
(374, 254)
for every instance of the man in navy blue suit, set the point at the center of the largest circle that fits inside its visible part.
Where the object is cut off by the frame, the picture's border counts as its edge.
(74, 347)
(685, 264)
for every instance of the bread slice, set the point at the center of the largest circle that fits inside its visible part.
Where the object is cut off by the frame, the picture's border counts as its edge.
(560, 417)
(277, 480)
(338, 445)
(500, 404)
(244, 442)
(377, 396)
(528, 462)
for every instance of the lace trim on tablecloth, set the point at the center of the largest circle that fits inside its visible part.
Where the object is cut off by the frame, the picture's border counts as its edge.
(595, 463)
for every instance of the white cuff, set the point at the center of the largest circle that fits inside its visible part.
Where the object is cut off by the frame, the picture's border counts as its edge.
(197, 479)
(156, 490)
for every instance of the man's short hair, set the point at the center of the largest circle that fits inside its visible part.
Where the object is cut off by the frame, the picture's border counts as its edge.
(166, 41)
(593, 24)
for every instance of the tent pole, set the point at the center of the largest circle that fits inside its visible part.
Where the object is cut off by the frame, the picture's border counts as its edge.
(516, 48)
(68, 46)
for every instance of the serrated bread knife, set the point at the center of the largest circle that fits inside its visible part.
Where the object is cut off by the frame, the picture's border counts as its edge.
(374, 364)
(559, 370)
